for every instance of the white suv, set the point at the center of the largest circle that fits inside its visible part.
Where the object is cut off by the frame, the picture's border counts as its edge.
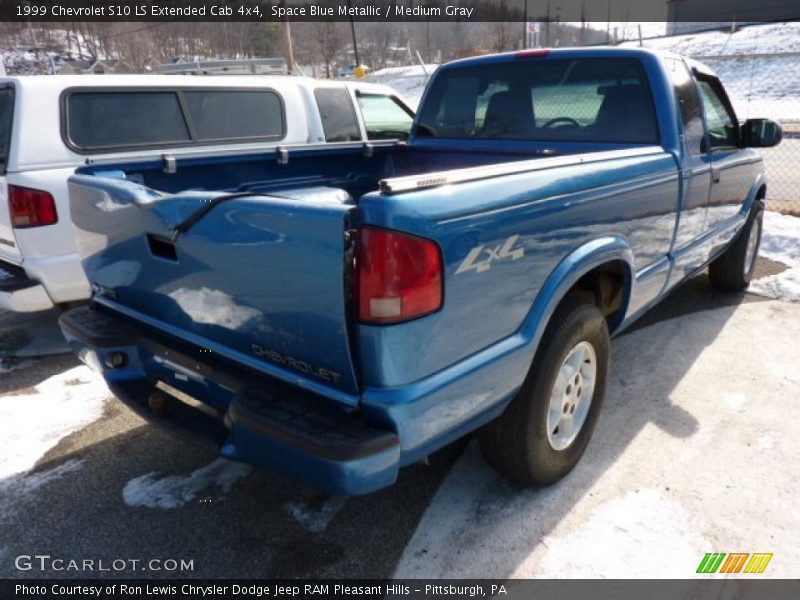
(49, 125)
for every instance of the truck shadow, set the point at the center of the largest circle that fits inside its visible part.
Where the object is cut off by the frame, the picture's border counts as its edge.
(78, 503)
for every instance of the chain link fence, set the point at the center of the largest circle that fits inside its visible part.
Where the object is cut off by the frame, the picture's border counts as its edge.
(768, 85)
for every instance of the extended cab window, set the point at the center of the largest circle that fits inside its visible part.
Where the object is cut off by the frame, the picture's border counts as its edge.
(100, 120)
(338, 116)
(384, 117)
(720, 121)
(575, 100)
(689, 105)
(223, 115)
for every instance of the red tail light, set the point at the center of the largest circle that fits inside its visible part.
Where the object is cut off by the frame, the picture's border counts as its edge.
(30, 208)
(399, 276)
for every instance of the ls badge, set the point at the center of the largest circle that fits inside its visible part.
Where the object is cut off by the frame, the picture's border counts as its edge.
(474, 260)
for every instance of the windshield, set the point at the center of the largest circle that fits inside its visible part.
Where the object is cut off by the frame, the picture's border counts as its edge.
(571, 100)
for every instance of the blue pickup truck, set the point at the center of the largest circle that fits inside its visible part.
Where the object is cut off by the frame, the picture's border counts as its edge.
(335, 313)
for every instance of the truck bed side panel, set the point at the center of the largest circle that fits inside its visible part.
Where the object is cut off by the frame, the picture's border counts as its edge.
(501, 238)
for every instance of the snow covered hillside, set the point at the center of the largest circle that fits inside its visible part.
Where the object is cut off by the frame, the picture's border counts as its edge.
(758, 64)
(409, 82)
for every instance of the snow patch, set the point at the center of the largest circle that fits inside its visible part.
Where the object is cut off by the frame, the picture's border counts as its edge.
(31, 424)
(20, 487)
(213, 307)
(784, 286)
(7, 365)
(780, 241)
(409, 82)
(313, 517)
(174, 491)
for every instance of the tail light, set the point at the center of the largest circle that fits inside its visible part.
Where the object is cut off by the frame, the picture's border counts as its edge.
(30, 208)
(399, 276)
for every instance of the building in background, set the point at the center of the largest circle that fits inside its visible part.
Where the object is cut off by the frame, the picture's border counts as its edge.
(687, 16)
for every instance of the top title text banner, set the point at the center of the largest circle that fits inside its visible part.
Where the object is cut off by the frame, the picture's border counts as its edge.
(381, 10)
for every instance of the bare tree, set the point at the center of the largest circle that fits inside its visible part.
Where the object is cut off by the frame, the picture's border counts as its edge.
(331, 40)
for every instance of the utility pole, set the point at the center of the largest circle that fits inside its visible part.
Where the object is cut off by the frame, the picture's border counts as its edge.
(525, 28)
(608, 24)
(287, 42)
(355, 43)
(547, 25)
(428, 35)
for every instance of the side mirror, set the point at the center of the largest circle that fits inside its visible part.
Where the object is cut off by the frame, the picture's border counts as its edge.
(761, 133)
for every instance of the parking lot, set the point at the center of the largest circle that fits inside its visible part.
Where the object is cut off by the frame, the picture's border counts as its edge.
(695, 452)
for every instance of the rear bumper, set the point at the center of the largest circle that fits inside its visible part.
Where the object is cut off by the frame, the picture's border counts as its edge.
(271, 425)
(19, 293)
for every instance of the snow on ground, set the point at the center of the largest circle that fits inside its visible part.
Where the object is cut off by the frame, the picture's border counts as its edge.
(175, 491)
(409, 82)
(8, 365)
(780, 242)
(315, 516)
(21, 486)
(33, 422)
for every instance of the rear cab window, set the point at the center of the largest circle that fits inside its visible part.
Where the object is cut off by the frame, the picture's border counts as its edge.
(6, 123)
(99, 120)
(554, 99)
(385, 118)
(338, 115)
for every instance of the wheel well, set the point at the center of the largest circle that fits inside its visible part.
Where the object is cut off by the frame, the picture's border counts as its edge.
(605, 287)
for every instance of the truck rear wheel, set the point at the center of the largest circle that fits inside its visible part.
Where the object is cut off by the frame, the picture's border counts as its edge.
(544, 431)
(732, 270)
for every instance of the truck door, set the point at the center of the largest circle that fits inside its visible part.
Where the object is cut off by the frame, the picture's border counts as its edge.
(729, 185)
(695, 165)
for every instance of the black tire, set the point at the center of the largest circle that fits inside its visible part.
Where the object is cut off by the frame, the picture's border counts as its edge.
(517, 442)
(731, 271)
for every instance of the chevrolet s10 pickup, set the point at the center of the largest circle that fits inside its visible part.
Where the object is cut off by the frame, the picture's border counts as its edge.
(334, 313)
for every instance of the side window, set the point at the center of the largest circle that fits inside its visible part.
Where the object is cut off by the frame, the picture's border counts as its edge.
(6, 121)
(224, 115)
(689, 105)
(97, 120)
(721, 124)
(338, 117)
(384, 117)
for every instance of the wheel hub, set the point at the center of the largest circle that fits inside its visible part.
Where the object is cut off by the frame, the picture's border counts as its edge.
(571, 396)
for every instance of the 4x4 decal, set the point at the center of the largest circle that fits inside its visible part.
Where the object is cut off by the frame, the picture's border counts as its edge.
(473, 261)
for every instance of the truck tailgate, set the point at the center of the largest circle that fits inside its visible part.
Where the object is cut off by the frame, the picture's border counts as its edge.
(259, 279)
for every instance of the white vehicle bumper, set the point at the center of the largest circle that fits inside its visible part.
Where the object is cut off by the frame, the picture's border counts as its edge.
(20, 293)
(32, 299)
(42, 284)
